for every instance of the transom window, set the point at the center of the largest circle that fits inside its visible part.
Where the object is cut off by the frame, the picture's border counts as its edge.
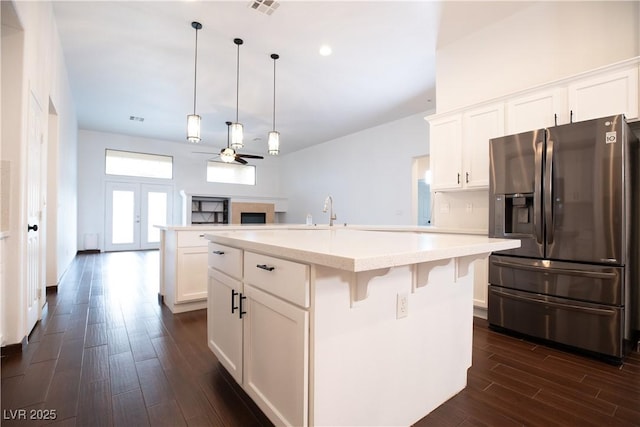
(230, 173)
(129, 163)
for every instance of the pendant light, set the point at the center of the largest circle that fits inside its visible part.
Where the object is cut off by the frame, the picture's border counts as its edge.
(193, 120)
(236, 128)
(274, 136)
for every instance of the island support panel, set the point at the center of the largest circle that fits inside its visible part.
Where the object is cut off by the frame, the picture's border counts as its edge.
(369, 367)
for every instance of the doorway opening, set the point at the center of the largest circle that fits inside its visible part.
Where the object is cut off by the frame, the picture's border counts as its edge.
(421, 190)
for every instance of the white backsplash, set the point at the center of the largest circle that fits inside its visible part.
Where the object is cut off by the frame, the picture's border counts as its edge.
(461, 209)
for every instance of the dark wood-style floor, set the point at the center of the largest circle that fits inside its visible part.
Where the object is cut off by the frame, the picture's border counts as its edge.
(106, 353)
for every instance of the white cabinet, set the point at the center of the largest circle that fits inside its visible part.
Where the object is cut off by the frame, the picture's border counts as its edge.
(191, 274)
(459, 147)
(224, 324)
(478, 127)
(258, 328)
(276, 357)
(184, 270)
(445, 141)
(536, 110)
(481, 284)
(597, 95)
(605, 94)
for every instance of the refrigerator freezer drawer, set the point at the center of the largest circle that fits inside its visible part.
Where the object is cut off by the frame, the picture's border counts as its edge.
(585, 282)
(592, 327)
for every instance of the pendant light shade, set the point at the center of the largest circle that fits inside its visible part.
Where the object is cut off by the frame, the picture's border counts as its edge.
(193, 120)
(236, 128)
(274, 136)
(228, 155)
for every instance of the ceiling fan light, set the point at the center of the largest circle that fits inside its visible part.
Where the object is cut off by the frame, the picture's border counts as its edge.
(227, 155)
(193, 128)
(274, 143)
(236, 136)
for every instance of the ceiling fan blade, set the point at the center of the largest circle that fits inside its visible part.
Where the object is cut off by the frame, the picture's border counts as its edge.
(249, 156)
(240, 160)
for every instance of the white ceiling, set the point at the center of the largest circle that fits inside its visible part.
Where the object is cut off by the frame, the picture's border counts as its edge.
(136, 58)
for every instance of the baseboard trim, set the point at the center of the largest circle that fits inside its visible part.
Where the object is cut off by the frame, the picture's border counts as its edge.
(12, 349)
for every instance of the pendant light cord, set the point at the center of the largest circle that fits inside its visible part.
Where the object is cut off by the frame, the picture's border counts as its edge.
(195, 75)
(237, 80)
(274, 91)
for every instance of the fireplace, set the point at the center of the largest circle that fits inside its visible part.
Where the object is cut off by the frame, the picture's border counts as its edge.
(252, 213)
(253, 217)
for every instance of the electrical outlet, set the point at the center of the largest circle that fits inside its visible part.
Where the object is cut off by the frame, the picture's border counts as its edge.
(402, 305)
(469, 207)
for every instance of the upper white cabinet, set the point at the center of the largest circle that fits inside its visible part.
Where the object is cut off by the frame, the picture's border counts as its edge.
(478, 127)
(605, 94)
(460, 147)
(459, 140)
(536, 110)
(446, 152)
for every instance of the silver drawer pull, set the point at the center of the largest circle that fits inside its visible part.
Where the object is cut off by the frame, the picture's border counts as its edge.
(218, 252)
(266, 267)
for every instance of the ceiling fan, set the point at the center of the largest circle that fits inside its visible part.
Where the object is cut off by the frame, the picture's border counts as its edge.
(228, 154)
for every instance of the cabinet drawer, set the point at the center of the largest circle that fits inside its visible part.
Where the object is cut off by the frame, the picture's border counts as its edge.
(226, 259)
(191, 239)
(282, 278)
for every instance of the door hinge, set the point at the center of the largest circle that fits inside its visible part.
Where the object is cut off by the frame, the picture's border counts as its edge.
(39, 294)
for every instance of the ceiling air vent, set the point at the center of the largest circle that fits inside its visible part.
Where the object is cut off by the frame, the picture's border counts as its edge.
(265, 6)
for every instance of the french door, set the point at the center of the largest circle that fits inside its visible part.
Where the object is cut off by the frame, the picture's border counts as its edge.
(132, 212)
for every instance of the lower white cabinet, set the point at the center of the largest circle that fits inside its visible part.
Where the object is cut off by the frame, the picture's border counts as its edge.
(261, 337)
(276, 359)
(184, 270)
(191, 274)
(224, 325)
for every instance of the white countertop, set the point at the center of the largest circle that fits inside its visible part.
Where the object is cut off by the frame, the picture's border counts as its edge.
(358, 250)
(398, 228)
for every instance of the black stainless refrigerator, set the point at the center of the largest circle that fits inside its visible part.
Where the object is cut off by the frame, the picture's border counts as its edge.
(570, 193)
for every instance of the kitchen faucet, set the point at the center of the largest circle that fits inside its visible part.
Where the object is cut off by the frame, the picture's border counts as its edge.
(328, 202)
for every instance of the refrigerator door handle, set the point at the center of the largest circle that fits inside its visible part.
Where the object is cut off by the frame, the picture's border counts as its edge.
(560, 305)
(537, 194)
(569, 271)
(548, 193)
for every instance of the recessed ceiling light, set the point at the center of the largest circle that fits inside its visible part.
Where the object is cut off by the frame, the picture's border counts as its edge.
(325, 50)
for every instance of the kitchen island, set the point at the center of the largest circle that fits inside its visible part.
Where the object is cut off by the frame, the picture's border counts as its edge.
(342, 326)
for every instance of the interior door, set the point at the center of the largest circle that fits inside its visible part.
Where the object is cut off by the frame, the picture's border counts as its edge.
(34, 214)
(585, 176)
(132, 211)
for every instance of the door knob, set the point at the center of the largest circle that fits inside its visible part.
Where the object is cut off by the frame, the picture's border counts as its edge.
(32, 227)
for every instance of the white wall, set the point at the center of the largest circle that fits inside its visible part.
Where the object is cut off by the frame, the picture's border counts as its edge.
(368, 174)
(32, 53)
(542, 43)
(189, 175)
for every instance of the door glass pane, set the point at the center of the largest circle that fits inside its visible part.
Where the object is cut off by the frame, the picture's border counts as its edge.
(156, 214)
(123, 215)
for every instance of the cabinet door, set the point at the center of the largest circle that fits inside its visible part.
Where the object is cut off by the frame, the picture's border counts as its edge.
(445, 147)
(480, 283)
(537, 110)
(608, 94)
(478, 126)
(224, 326)
(276, 357)
(191, 280)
